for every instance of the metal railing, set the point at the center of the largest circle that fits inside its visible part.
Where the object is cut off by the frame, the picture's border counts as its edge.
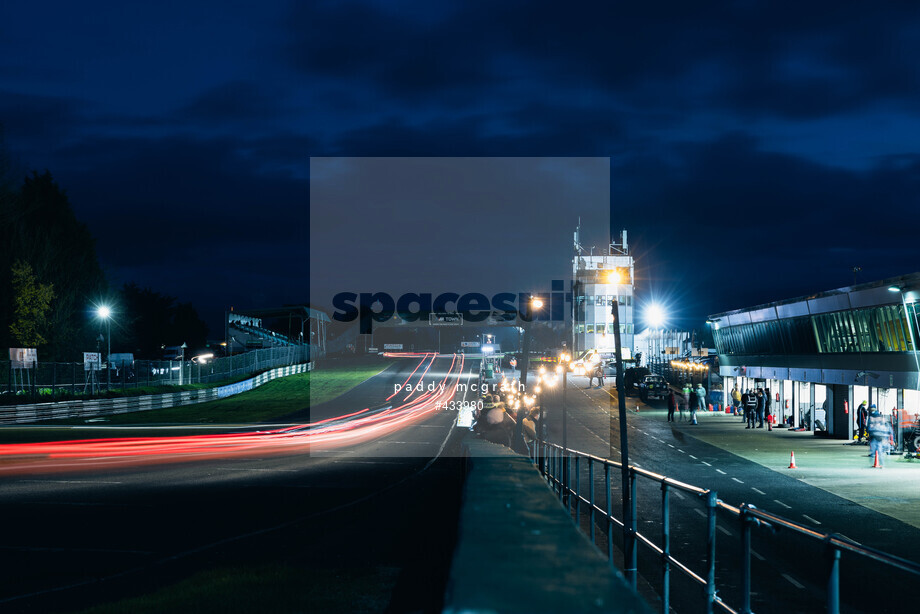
(558, 465)
(51, 381)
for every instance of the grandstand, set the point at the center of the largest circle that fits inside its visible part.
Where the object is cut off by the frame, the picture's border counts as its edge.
(274, 327)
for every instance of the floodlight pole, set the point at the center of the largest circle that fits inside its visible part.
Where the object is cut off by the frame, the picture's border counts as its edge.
(108, 355)
(629, 539)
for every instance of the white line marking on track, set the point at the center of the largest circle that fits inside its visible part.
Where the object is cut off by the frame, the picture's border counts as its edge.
(758, 491)
(705, 463)
(677, 494)
(681, 451)
(810, 519)
(737, 480)
(670, 445)
(724, 530)
(792, 581)
(757, 555)
(693, 457)
(788, 507)
(700, 512)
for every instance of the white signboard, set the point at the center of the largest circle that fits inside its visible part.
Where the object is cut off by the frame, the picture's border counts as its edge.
(445, 319)
(392, 346)
(92, 361)
(469, 344)
(23, 358)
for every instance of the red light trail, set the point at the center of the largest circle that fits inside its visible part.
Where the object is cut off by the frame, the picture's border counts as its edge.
(348, 429)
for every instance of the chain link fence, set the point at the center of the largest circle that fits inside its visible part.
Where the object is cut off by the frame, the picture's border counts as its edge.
(50, 381)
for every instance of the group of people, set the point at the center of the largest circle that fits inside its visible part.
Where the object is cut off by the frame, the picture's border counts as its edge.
(497, 420)
(755, 406)
(692, 399)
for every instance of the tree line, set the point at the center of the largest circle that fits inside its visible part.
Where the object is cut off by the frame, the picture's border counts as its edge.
(51, 280)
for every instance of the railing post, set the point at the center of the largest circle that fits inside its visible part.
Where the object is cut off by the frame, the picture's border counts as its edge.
(564, 481)
(591, 496)
(629, 532)
(608, 514)
(577, 490)
(543, 458)
(710, 550)
(833, 578)
(745, 560)
(666, 548)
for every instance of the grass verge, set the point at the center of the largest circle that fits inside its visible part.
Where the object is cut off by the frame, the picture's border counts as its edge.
(272, 400)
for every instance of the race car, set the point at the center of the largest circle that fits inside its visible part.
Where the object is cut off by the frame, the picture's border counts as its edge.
(652, 387)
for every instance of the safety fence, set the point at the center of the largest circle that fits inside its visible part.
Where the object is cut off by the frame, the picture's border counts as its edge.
(52, 381)
(99, 408)
(571, 473)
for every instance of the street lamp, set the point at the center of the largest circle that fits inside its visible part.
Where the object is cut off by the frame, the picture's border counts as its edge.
(182, 363)
(533, 304)
(655, 317)
(105, 313)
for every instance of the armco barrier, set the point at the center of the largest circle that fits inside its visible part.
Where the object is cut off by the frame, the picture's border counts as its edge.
(25, 414)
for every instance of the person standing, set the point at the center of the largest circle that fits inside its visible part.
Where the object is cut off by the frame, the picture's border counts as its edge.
(684, 401)
(768, 409)
(862, 416)
(736, 401)
(599, 374)
(692, 404)
(672, 405)
(760, 408)
(697, 403)
(879, 430)
(750, 409)
(701, 394)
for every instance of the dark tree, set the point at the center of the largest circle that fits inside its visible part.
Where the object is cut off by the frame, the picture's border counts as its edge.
(150, 320)
(39, 228)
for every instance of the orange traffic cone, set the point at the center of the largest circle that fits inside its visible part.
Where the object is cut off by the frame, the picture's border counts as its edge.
(792, 462)
(876, 465)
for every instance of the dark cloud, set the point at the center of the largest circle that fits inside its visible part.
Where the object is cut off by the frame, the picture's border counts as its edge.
(236, 101)
(164, 201)
(739, 57)
(31, 120)
(184, 141)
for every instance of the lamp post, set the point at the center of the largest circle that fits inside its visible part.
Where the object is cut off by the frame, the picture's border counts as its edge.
(182, 362)
(629, 522)
(105, 314)
(534, 304)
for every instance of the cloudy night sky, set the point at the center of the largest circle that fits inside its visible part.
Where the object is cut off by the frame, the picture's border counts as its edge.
(758, 150)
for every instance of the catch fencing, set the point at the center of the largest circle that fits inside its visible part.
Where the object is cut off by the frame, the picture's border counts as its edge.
(52, 381)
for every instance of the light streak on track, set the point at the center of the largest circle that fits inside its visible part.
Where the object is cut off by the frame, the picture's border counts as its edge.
(349, 429)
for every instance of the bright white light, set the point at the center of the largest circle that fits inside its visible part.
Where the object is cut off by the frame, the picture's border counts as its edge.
(537, 303)
(654, 316)
(103, 312)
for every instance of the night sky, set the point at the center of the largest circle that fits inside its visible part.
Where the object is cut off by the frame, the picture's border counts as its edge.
(758, 150)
